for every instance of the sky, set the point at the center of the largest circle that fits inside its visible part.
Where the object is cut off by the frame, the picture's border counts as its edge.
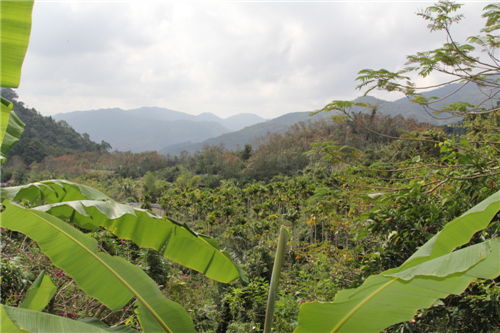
(224, 57)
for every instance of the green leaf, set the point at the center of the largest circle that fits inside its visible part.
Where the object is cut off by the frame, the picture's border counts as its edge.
(5, 115)
(6, 325)
(275, 278)
(458, 261)
(52, 191)
(111, 280)
(180, 243)
(457, 232)
(39, 322)
(464, 143)
(11, 128)
(382, 301)
(96, 322)
(40, 293)
(433, 272)
(15, 31)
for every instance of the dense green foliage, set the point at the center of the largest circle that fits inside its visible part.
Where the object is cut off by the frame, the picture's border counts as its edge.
(359, 195)
(43, 136)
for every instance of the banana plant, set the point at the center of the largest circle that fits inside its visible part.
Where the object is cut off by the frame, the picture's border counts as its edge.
(40, 293)
(19, 320)
(28, 317)
(81, 205)
(111, 280)
(435, 271)
(15, 25)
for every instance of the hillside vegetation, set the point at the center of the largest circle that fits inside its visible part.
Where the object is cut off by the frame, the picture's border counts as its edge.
(356, 221)
(43, 136)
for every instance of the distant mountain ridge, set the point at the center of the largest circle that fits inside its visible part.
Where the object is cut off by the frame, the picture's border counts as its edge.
(151, 128)
(233, 123)
(469, 93)
(169, 132)
(236, 140)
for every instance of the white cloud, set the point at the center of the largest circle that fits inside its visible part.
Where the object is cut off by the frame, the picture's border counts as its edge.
(225, 58)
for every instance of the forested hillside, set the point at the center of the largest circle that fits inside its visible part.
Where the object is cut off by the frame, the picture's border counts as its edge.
(356, 221)
(470, 94)
(43, 136)
(317, 178)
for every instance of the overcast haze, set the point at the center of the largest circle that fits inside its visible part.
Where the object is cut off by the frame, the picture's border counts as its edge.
(221, 57)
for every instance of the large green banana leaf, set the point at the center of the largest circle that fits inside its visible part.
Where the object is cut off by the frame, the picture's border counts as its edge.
(15, 28)
(433, 272)
(40, 293)
(12, 127)
(117, 329)
(15, 319)
(6, 108)
(111, 280)
(51, 191)
(15, 32)
(456, 233)
(6, 324)
(177, 241)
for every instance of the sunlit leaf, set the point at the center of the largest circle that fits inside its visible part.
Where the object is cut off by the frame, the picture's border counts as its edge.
(40, 293)
(5, 115)
(15, 319)
(179, 242)
(52, 191)
(15, 32)
(96, 322)
(433, 272)
(111, 280)
(13, 130)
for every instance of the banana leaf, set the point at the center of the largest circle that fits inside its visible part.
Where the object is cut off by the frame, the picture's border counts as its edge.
(15, 28)
(15, 25)
(111, 280)
(385, 300)
(118, 329)
(51, 191)
(433, 272)
(6, 325)
(13, 130)
(40, 293)
(6, 108)
(177, 241)
(456, 233)
(25, 320)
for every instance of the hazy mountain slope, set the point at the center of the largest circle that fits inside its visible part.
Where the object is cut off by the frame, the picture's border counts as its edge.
(242, 120)
(469, 93)
(239, 138)
(137, 132)
(233, 123)
(154, 128)
(156, 113)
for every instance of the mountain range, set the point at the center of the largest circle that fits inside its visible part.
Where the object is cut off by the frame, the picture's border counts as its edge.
(151, 128)
(170, 132)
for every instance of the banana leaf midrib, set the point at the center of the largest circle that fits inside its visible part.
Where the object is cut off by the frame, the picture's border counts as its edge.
(360, 305)
(87, 204)
(109, 268)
